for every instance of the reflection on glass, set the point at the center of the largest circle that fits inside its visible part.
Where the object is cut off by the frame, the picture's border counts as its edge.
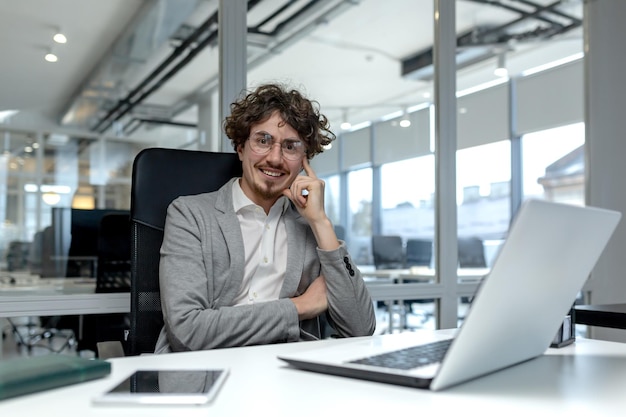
(554, 164)
(43, 173)
(359, 229)
(331, 199)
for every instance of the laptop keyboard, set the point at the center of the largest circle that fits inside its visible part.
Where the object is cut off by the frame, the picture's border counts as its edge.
(409, 358)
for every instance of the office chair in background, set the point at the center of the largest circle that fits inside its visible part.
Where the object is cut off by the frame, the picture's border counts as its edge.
(159, 176)
(112, 275)
(388, 252)
(419, 252)
(471, 253)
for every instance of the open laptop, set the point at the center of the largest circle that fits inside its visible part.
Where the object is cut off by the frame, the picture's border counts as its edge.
(544, 262)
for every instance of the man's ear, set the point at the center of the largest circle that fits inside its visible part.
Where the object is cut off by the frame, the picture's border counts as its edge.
(240, 152)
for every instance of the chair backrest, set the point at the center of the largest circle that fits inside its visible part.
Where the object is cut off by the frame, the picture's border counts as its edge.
(388, 252)
(159, 176)
(113, 269)
(471, 253)
(419, 252)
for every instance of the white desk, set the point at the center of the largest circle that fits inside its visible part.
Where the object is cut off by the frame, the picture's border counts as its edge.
(583, 379)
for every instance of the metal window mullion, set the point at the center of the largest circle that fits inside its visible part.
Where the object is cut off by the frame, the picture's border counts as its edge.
(446, 257)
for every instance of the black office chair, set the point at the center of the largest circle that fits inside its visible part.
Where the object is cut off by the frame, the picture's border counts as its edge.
(113, 268)
(388, 252)
(112, 275)
(159, 176)
(471, 253)
(419, 252)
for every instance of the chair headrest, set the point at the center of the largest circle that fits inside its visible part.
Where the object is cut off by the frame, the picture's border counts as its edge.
(160, 175)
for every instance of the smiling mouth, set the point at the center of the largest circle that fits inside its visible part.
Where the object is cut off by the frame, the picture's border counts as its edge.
(272, 173)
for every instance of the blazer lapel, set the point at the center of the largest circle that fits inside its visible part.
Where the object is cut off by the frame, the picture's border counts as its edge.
(231, 232)
(296, 245)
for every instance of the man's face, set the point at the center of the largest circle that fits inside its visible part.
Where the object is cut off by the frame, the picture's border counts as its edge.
(265, 176)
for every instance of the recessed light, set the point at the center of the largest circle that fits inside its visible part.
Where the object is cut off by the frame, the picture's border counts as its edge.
(50, 57)
(59, 38)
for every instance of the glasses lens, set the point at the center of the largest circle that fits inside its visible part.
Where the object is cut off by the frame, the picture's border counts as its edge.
(291, 149)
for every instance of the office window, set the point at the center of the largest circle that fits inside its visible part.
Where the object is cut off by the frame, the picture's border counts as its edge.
(332, 202)
(407, 196)
(359, 228)
(483, 190)
(554, 164)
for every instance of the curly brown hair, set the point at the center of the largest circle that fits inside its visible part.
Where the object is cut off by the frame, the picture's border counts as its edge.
(300, 113)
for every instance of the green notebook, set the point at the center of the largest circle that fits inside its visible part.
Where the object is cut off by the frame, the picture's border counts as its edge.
(38, 373)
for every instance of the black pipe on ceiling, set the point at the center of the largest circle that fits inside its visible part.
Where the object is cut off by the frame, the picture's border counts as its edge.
(126, 104)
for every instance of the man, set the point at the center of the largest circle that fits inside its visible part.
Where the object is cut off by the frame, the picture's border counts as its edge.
(258, 261)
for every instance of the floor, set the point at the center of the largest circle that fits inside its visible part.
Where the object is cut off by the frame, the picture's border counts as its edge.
(23, 336)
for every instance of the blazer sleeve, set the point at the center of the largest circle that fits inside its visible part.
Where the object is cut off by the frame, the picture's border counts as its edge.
(200, 275)
(350, 306)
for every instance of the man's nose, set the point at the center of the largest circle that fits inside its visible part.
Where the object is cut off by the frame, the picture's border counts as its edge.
(276, 151)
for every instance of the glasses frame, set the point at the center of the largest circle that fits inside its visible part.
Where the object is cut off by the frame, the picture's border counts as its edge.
(254, 137)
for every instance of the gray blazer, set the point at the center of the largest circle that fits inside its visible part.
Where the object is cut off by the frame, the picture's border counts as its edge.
(202, 267)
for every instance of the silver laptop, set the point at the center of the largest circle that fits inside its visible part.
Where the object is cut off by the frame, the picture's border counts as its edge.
(543, 264)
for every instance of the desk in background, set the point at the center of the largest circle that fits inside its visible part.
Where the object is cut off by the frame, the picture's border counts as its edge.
(415, 283)
(34, 296)
(423, 274)
(583, 379)
(58, 297)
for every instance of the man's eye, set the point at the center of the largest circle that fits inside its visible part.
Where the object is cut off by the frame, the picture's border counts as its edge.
(291, 145)
(265, 139)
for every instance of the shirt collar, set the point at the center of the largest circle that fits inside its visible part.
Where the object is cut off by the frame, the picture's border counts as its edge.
(241, 200)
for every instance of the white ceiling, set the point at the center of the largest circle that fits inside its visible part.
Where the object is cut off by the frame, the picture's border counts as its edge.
(348, 61)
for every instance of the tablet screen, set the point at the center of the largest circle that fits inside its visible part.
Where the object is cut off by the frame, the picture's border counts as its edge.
(166, 387)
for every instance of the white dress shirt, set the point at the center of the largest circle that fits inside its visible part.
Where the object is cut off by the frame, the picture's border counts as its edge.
(265, 243)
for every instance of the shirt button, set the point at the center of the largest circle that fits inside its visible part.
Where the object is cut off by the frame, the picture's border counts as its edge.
(267, 226)
(265, 259)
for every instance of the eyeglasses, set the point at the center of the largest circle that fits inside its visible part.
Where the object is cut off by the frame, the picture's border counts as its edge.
(262, 143)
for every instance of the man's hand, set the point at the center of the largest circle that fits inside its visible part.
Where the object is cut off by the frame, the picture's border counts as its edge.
(313, 302)
(307, 194)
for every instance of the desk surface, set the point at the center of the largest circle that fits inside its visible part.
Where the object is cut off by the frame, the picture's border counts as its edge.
(586, 378)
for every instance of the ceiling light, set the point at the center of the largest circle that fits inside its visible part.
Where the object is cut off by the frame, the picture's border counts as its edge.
(51, 57)
(501, 70)
(405, 121)
(59, 37)
(5, 115)
(345, 124)
(51, 199)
